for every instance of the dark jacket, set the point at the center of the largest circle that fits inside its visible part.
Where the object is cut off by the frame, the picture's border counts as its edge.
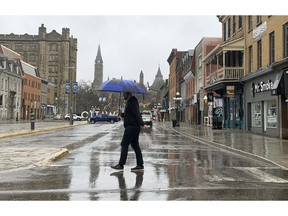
(132, 114)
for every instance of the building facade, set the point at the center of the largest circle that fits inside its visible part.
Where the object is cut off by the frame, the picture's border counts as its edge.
(53, 54)
(265, 80)
(31, 92)
(175, 75)
(10, 88)
(200, 66)
(225, 68)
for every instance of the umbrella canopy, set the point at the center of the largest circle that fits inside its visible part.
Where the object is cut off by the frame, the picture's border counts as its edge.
(120, 85)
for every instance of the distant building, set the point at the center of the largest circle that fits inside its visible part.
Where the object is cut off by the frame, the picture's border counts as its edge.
(53, 54)
(158, 81)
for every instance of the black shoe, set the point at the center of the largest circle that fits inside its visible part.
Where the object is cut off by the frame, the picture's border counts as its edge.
(118, 167)
(137, 168)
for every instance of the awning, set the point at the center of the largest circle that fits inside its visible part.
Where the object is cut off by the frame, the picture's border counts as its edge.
(276, 86)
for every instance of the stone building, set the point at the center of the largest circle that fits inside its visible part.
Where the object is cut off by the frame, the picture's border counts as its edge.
(10, 87)
(53, 54)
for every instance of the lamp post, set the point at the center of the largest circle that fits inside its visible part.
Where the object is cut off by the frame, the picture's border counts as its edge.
(70, 95)
(177, 100)
(158, 112)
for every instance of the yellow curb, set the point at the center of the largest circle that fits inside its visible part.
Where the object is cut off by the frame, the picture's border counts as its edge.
(60, 154)
(37, 131)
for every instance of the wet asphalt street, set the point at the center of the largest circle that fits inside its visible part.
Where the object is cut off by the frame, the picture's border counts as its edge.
(179, 166)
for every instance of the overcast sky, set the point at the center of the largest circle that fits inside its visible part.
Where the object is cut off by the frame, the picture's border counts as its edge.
(129, 44)
(134, 35)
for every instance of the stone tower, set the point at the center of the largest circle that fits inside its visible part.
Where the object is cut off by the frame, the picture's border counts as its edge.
(98, 70)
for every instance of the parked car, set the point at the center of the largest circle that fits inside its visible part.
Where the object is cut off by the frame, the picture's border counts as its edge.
(104, 118)
(58, 117)
(147, 117)
(75, 117)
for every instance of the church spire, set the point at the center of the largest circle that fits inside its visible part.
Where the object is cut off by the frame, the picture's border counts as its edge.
(99, 56)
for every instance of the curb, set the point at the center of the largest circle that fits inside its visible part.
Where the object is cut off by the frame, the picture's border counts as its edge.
(38, 131)
(56, 156)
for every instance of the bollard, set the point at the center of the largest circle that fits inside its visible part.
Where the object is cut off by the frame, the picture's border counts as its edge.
(32, 121)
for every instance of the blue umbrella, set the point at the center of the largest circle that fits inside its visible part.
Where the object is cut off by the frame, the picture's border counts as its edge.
(120, 85)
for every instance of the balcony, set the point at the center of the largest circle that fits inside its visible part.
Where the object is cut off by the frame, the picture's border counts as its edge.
(225, 74)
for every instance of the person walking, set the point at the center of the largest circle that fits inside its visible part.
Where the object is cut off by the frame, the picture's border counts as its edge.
(132, 124)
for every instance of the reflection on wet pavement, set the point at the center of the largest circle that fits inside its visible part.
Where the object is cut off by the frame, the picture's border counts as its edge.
(176, 168)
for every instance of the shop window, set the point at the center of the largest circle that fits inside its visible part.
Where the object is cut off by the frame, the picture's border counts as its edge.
(256, 114)
(271, 114)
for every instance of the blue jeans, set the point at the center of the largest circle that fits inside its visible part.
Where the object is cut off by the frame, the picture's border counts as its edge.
(131, 136)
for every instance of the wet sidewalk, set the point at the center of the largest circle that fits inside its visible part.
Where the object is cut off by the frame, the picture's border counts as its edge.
(18, 157)
(249, 144)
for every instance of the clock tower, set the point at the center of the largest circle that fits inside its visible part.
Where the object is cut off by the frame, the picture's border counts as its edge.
(98, 70)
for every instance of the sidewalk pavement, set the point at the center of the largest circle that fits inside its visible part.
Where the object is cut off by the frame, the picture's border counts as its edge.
(260, 147)
(16, 157)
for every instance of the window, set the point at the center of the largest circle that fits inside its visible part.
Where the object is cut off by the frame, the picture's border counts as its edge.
(259, 54)
(259, 20)
(271, 47)
(250, 59)
(229, 28)
(250, 24)
(234, 25)
(225, 31)
(19, 46)
(285, 31)
(1, 100)
(271, 113)
(200, 60)
(240, 22)
(33, 46)
(256, 114)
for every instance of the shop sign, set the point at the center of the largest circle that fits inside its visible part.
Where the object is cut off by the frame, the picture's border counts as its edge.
(262, 87)
(260, 31)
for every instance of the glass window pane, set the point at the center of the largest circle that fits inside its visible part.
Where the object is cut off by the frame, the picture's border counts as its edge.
(271, 113)
(256, 114)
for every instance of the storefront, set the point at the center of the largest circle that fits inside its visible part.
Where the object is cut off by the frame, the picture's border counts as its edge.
(228, 98)
(265, 106)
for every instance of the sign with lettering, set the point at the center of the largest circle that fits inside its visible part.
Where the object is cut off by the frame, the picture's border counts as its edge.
(260, 31)
(261, 87)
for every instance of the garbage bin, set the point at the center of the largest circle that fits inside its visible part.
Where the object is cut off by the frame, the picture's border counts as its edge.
(174, 122)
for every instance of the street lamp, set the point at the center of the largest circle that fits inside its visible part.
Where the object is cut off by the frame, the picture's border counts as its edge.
(71, 88)
(177, 100)
(158, 112)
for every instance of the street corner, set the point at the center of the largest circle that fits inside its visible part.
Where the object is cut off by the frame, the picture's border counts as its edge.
(55, 156)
